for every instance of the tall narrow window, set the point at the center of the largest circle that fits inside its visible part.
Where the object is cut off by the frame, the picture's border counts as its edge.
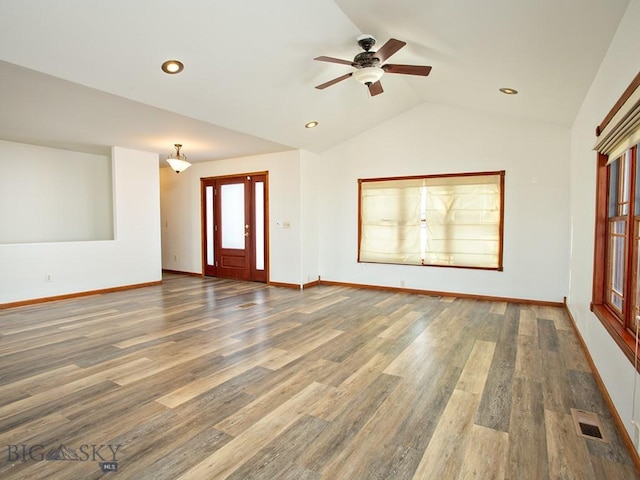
(441, 220)
(209, 224)
(259, 225)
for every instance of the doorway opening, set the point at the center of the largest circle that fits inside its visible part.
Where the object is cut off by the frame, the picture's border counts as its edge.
(235, 227)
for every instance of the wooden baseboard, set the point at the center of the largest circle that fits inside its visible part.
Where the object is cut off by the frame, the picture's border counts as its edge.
(603, 389)
(444, 294)
(320, 281)
(294, 286)
(67, 296)
(311, 284)
(179, 272)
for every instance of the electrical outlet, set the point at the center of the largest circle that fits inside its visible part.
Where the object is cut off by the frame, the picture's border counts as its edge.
(402, 283)
(48, 277)
(175, 258)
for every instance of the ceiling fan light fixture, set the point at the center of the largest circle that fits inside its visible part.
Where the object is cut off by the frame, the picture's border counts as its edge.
(177, 161)
(172, 67)
(370, 65)
(368, 75)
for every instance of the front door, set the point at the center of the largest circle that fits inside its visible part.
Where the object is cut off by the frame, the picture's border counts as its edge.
(234, 221)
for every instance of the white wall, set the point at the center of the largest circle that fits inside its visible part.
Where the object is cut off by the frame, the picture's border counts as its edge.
(309, 208)
(132, 258)
(431, 139)
(181, 217)
(616, 72)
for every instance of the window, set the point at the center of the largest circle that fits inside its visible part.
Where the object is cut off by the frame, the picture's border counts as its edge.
(450, 220)
(616, 289)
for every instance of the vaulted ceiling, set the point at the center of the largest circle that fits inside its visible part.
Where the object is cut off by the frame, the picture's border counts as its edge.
(85, 74)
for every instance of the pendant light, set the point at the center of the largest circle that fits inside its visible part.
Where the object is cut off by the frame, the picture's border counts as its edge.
(178, 161)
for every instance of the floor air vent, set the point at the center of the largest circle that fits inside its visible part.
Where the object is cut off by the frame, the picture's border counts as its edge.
(588, 425)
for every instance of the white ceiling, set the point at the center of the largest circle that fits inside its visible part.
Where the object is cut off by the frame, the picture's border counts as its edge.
(85, 74)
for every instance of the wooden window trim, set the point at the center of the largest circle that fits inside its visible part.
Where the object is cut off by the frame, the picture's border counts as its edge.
(618, 332)
(633, 86)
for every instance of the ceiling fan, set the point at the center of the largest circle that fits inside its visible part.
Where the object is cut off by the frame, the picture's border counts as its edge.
(370, 65)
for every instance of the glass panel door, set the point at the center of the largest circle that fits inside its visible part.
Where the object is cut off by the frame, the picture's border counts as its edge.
(233, 259)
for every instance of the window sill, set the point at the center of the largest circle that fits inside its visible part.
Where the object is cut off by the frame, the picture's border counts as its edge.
(624, 339)
(467, 267)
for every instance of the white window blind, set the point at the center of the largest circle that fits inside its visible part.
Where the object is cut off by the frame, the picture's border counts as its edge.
(452, 220)
(391, 221)
(623, 128)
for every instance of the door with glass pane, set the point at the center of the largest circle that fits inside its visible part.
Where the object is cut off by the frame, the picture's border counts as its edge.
(234, 227)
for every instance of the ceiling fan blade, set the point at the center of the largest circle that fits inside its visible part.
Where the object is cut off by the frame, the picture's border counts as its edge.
(375, 88)
(422, 70)
(334, 60)
(389, 48)
(334, 81)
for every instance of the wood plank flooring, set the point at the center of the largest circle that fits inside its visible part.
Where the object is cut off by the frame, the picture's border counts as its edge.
(211, 379)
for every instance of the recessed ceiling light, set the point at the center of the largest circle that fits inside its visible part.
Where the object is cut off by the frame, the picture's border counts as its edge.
(509, 91)
(172, 67)
(313, 124)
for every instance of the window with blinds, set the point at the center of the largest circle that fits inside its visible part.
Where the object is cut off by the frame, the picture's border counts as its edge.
(616, 268)
(453, 220)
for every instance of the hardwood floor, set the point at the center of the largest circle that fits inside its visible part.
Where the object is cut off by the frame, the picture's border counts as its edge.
(211, 379)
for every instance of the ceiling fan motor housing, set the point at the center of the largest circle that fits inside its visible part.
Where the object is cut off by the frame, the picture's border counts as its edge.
(366, 59)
